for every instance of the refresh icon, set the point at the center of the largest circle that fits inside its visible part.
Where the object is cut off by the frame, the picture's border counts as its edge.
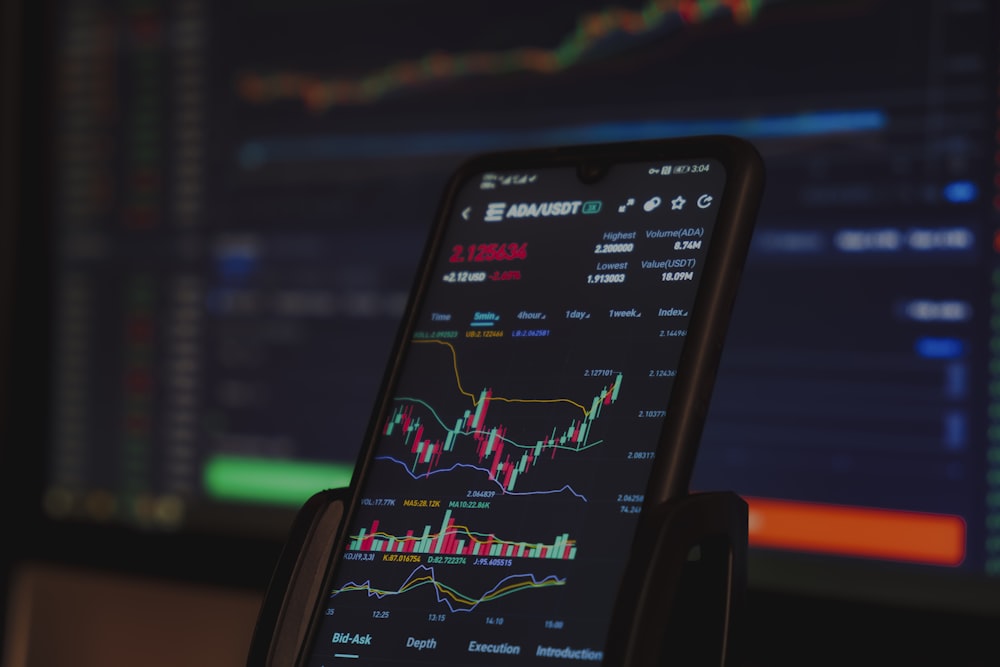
(704, 201)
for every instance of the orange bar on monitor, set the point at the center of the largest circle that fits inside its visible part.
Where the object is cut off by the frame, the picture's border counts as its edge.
(933, 539)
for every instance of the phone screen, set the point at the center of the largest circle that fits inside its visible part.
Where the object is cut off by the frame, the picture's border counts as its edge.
(511, 460)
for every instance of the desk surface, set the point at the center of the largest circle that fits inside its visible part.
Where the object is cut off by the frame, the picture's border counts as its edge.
(85, 618)
(67, 616)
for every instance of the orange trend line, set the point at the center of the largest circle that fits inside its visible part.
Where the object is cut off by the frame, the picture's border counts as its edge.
(319, 94)
(475, 401)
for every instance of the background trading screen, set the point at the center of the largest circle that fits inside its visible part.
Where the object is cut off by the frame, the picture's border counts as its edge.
(509, 470)
(242, 191)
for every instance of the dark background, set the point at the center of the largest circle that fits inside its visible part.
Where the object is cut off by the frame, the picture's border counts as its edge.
(816, 342)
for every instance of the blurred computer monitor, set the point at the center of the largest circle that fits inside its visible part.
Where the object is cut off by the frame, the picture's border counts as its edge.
(224, 203)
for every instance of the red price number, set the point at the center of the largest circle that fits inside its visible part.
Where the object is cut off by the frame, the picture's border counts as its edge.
(488, 252)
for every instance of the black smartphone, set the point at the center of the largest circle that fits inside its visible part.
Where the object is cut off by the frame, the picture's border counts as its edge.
(550, 381)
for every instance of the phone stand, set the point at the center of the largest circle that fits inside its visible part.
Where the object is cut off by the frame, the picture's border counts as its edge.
(678, 604)
(682, 592)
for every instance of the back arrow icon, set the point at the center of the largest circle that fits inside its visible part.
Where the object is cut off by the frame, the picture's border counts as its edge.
(465, 212)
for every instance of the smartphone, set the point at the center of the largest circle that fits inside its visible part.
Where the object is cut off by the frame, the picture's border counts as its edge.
(549, 383)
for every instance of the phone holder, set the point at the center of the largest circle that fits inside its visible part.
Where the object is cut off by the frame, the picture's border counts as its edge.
(679, 602)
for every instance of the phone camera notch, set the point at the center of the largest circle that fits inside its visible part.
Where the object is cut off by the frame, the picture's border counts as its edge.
(590, 171)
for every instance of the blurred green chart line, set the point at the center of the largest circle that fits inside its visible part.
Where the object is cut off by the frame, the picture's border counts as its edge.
(320, 94)
(272, 480)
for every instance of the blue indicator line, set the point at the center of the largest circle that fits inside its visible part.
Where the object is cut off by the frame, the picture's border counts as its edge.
(259, 152)
(480, 324)
(426, 475)
(961, 192)
(956, 430)
(931, 347)
(236, 267)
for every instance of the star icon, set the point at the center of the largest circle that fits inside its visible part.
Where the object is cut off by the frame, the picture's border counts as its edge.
(677, 203)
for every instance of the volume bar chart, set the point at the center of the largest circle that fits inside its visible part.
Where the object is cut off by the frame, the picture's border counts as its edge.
(455, 540)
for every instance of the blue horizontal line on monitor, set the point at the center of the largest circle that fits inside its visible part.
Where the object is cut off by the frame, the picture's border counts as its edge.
(931, 347)
(260, 152)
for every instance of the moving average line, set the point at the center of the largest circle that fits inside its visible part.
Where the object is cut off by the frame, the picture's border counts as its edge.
(424, 575)
(424, 475)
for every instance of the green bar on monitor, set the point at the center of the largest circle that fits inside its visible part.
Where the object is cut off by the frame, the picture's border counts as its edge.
(271, 481)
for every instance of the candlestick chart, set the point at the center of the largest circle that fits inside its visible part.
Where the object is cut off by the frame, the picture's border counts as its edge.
(433, 441)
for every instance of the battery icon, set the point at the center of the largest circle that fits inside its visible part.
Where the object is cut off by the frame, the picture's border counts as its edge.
(665, 170)
(682, 169)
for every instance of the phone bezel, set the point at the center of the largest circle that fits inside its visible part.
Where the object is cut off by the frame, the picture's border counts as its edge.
(687, 406)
